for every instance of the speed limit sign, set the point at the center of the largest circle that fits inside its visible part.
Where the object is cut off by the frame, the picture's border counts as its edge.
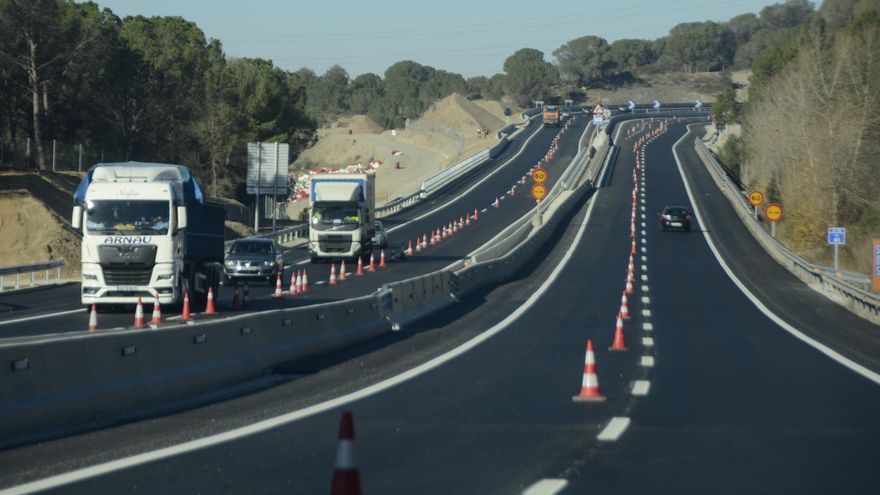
(539, 175)
(756, 198)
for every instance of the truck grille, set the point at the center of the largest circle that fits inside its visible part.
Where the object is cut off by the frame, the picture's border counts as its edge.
(127, 276)
(335, 244)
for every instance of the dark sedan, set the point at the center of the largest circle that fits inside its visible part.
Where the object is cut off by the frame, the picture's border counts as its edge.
(675, 217)
(252, 259)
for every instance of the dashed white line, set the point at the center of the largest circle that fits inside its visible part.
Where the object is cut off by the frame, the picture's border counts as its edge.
(614, 430)
(645, 288)
(641, 387)
(646, 313)
(546, 487)
(647, 361)
(644, 268)
(644, 258)
(648, 341)
(644, 278)
(648, 327)
(646, 300)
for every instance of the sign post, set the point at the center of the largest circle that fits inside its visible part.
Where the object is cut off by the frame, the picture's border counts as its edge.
(836, 237)
(267, 171)
(539, 190)
(876, 271)
(773, 212)
(756, 198)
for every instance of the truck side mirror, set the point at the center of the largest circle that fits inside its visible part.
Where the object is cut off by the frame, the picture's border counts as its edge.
(181, 217)
(76, 219)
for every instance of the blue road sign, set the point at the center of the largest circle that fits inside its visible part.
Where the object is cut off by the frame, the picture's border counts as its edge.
(656, 104)
(877, 260)
(631, 105)
(836, 235)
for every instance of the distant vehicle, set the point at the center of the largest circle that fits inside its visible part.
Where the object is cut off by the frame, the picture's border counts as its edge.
(675, 217)
(252, 259)
(566, 113)
(551, 115)
(379, 238)
(342, 216)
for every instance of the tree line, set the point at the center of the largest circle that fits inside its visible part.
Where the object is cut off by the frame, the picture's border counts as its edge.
(811, 130)
(157, 89)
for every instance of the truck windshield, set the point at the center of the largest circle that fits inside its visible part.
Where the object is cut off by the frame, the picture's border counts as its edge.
(127, 217)
(335, 215)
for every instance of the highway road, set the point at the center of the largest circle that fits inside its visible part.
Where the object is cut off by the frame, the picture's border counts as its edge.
(714, 396)
(57, 310)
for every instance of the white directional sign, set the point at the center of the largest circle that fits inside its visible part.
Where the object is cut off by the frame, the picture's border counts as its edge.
(631, 105)
(262, 163)
(836, 236)
(656, 105)
(698, 104)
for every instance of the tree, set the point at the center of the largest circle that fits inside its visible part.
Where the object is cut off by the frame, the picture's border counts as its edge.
(43, 40)
(697, 46)
(365, 88)
(528, 76)
(743, 27)
(630, 55)
(841, 13)
(329, 94)
(582, 61)
(792, 13)
(724, 109)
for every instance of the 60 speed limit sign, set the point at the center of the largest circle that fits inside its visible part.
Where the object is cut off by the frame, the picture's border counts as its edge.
(756, 198)
(539, 175)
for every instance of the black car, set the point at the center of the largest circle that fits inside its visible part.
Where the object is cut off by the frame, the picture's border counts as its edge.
(675, 217)
(252, 259)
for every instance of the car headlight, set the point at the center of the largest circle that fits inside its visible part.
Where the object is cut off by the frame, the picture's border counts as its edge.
(165, 276)
(267, 264)
(230, 264)
(89, 276)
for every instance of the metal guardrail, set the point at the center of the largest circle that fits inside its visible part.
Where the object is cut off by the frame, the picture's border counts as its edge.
(860, 301)
(18, 270)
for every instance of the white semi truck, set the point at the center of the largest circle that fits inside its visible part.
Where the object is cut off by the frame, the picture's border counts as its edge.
(147, 230)
(342, 216)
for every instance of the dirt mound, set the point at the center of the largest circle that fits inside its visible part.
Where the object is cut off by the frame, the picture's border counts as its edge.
(359, 124)
(674, 87)
(33, 233)
(457, 116)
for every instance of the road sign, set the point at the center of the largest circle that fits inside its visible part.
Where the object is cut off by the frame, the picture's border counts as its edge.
(539, 191)
(876, 277)
(773, 212)
(272, 172)
(756, 198)
(539, 175)
(836, 236)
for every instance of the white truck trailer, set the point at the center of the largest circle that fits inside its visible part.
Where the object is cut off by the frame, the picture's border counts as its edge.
(342, 216)
(147, 230)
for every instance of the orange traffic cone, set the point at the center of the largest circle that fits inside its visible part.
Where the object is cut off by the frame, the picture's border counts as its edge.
(632, 250)
(186, 316)
(372, 267)
(139, 314)
(236, 302)
(624, 309)
(418, 245)
(342, 275)
(467, 220)
(93, 318)
(305, 282)
(619, 344)
(333, 274)
(382, 259)
(409, 250)
(497, 202)
(629, 284)
(360, 269)
(424, 241)
(209, 307)
(433, 238)
(476, 215)
(246, 299)
(293, 284)
(277, 294)
(157, 312)
(346, 479)
(590, 384)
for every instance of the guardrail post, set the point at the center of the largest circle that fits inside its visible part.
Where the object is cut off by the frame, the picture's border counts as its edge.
(1, 282)
(17, 280)
(33, 279)
(58, 275)
(47, 275)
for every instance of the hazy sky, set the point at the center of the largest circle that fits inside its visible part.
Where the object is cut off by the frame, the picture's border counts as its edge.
(468, 37)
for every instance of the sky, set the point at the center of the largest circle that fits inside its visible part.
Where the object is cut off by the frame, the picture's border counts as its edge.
(471, 38)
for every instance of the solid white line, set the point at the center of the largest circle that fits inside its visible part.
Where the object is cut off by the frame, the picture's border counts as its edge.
(48, 315)
(648, 327)
(648, 341)
(614, 430)
(647, 361)
(824, 349)
(293, 416)
(546, 487)
(641, 387)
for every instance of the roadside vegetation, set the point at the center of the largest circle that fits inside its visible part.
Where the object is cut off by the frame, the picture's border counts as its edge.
(811, 130)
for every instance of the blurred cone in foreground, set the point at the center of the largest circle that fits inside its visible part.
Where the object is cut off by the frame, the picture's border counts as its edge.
(346, 479)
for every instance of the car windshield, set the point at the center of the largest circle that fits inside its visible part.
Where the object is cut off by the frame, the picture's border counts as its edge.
(335, 215)
(251, 248)
(127, 217)
(676, 211)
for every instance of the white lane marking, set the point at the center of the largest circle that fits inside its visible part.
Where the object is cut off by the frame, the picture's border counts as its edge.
(644, 249)
(647, 361)
(644, 233)
(643, 216)
(546, 487)
(293, 416)
(645, 288)
(648, 341)
(643, 224)
(614, 430)
(824, 349)
(47, 315)
(644, 278)
(646, 300)
(648, 327)
(644, 268)
(477, 184)
(646, 313)
(641, 387)
(644, 258)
